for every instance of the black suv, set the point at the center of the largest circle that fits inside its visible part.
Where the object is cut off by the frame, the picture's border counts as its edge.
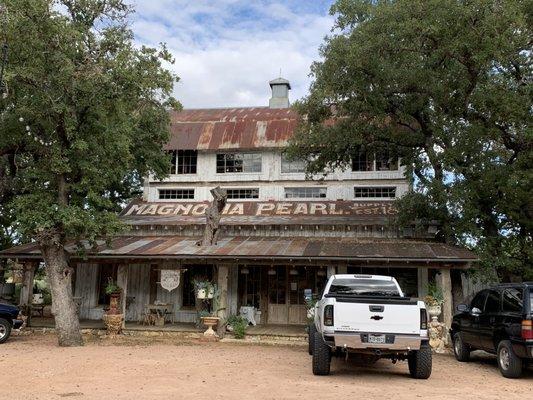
(499, 321)
(9, 319)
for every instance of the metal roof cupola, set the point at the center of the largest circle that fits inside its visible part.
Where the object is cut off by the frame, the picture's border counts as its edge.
(280, 93)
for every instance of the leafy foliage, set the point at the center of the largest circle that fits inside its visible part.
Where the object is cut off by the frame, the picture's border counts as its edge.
(84, 119)
(447, 86)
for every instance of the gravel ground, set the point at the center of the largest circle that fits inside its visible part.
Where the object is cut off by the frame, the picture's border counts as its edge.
(33, 367)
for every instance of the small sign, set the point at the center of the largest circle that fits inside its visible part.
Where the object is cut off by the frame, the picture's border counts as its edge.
(170, 279)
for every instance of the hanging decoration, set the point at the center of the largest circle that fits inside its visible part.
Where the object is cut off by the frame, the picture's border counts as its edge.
(170, 279)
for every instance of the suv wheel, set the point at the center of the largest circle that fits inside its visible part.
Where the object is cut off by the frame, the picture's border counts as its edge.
(460, 348)
(5, 330)
(321, 356)
(509, 363)
(311, 334)
(420, 362)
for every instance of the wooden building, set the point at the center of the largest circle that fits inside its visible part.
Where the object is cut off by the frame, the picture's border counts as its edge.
(281, 234)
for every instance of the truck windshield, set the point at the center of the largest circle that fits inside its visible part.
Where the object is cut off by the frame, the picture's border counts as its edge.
(364, 287)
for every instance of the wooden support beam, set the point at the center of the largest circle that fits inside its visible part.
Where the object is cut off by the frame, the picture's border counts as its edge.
(26, 291)
(331, 270)
(222, 283)
(444, 282)
(122, 282)
(423, 280)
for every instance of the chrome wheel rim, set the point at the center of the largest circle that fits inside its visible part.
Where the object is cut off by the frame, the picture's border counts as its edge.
(3, 331)
(457, 346)
(505, 358)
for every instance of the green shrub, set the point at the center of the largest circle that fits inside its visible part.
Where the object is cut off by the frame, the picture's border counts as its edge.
(239, 325)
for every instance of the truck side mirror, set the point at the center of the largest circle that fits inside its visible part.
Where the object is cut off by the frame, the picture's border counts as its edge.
(462, 308)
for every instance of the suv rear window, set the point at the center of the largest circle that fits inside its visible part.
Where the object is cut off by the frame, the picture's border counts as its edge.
(364, 287)
(512, 300)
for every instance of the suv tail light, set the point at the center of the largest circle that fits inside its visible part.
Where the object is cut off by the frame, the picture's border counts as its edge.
(527, 329)
(328, 315)
(423, 319)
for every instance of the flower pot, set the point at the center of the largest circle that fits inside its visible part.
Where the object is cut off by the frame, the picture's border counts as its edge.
(434, 311)
(113, 323)
(211, 293)
(113, 303)
(201, 294)
(210, 322)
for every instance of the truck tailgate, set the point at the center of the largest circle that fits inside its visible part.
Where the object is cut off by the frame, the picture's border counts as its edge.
(402, 317)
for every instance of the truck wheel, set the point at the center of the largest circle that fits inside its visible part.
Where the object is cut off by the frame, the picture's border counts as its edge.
(460, 348)
(321, 356)
(311, 333)
(509, 363)
(420, 362)
(5, 330)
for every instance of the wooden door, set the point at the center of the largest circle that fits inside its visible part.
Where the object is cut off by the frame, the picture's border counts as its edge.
(278, 312)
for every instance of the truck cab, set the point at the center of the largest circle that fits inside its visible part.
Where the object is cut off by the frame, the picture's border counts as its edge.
(369, 315)
(9, 319)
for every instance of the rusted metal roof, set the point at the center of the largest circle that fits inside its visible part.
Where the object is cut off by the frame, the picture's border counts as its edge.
(231, 128)
(271, 248)
(262, 213)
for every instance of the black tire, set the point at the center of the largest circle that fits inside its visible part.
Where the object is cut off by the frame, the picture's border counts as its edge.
(5, 330)
(321, 356)
(420, 363)
(509, 363)
(311, 334)
(460, 348)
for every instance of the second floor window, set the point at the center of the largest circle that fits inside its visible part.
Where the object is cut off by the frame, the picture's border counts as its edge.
(184, 162)
(381, 161)
(377, 192)
(305, 192)
(238, 162)
(243, 193)
(176, 194)
(362, 161)
(291, 166)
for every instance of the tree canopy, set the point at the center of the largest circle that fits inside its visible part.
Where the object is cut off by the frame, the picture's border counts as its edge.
(446, 85)
(83, 120)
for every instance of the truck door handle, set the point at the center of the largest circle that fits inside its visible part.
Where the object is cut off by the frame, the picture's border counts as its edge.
(376, 308)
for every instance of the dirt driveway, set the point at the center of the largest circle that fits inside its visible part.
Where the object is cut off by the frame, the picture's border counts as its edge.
(33, 367)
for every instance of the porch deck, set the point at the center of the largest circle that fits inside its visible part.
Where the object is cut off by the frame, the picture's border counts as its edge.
(258, 330)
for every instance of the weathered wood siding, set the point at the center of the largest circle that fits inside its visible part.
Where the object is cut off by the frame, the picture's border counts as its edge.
(86, 288)
(138, 291)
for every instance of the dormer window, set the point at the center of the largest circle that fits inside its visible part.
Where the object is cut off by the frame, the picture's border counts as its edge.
(238, 162)
(184, 162)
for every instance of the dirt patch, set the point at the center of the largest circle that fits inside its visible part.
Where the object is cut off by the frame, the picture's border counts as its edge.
(148, 368)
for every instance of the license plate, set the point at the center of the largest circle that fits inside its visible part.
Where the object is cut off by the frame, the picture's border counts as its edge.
(376, 339)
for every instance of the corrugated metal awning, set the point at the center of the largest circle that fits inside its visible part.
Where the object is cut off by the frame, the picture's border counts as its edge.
(270, 248)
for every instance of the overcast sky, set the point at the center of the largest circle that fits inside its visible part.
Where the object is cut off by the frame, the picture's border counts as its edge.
(226, 51)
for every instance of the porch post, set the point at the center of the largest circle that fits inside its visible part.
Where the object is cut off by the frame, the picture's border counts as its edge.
(222, 283)
(330, 270)
(122, 282)
(423, 280)
(342, 269)
(26, 291)
(444, 282)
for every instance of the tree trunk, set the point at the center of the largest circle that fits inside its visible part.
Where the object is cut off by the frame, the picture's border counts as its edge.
(63, 307)
(212, 216)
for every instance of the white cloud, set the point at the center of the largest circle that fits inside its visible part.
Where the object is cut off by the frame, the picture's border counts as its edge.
(227, 50)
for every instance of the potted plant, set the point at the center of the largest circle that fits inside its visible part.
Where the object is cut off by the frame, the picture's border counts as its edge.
(237, 324)
(434, 300)
(113, 318)
(212, 319)
(210, 290)
(201, 287)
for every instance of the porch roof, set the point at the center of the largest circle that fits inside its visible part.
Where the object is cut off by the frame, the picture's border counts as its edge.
(265, 248)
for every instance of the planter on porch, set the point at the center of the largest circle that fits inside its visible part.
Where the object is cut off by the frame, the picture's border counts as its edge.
(210, 322)
(113, 323)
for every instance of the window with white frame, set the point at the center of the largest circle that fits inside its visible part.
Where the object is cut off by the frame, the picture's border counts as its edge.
(184, 162)
(252, 193)
(305, 192)
(385, 162)
(289, 166)
(238, 162)
(362, 161)
(375, 192)
(176, 194)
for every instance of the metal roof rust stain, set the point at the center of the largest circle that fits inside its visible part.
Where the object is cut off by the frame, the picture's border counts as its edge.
(231, 128)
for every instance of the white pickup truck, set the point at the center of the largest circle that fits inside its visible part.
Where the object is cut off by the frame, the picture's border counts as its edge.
(368, 315)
